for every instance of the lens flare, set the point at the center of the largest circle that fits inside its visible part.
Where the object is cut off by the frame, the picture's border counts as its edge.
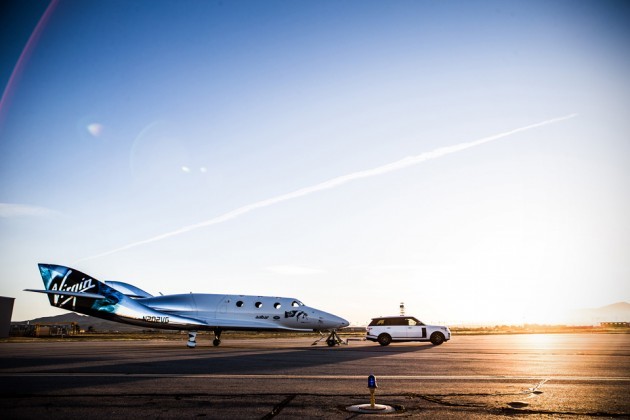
(95, 129)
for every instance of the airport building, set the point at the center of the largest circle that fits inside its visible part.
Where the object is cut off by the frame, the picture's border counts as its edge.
(6, 311)
(58, 329)
(614, 324)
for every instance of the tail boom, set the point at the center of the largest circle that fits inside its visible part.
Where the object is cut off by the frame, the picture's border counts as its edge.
(74, 291)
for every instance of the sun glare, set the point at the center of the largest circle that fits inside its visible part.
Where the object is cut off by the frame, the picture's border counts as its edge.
(539, 341)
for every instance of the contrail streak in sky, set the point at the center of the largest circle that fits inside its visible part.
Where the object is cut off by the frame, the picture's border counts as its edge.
(19, 65)
(332, 183)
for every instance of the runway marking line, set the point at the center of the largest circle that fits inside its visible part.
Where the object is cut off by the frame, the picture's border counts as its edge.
(319, 377)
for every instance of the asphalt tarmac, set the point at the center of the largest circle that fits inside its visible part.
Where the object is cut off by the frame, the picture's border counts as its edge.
(502, 376)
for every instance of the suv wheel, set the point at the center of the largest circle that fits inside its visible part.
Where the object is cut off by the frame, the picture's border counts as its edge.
(437, 338)
(384, 339)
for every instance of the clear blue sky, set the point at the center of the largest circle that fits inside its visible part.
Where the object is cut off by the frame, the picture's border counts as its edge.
(124, 121)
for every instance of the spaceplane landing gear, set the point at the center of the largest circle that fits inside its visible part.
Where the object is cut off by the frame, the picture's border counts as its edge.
(192, 339)
(333, 339)
(217, 338)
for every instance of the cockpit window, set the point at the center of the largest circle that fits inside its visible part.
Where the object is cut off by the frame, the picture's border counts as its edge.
(296, 303)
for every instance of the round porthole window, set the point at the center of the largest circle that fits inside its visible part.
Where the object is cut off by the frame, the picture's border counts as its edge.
(239, 304)
(258, 304)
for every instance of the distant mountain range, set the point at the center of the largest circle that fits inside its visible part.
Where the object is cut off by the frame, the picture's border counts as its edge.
(617, 312)
(85, 322)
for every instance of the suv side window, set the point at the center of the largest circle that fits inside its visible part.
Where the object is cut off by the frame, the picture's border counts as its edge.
(395, 322)
(379, 322)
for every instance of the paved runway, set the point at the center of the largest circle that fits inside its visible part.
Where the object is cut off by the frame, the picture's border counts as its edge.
(555, 375)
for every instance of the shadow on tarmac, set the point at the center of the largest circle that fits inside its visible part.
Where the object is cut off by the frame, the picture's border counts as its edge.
(167, 360)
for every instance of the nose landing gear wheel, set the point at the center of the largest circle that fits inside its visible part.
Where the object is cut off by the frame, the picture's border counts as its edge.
(332, 340)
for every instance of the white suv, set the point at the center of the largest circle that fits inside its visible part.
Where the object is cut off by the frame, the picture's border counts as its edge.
(405, 328)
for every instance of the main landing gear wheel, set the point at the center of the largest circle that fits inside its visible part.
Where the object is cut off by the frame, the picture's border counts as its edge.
(217, 338)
